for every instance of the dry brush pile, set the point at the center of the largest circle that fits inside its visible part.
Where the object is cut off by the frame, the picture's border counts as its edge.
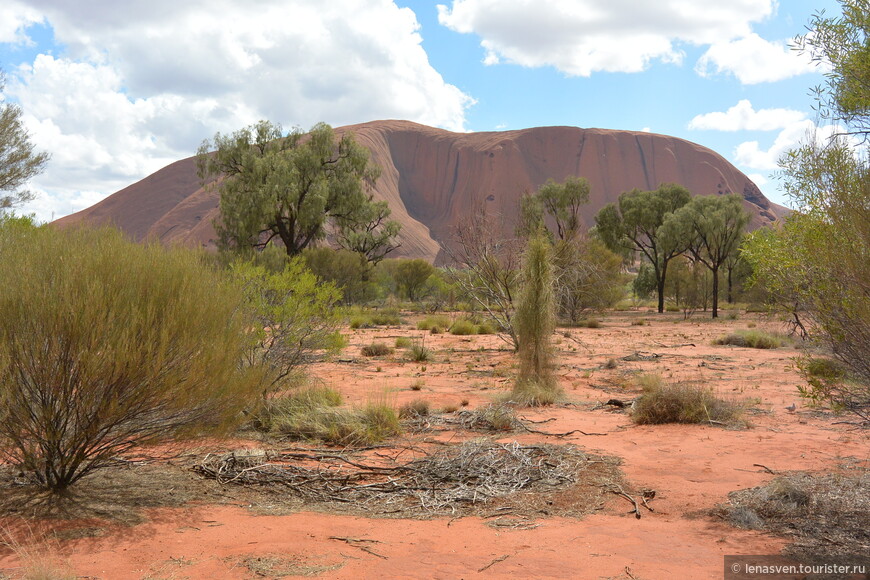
(460, 479)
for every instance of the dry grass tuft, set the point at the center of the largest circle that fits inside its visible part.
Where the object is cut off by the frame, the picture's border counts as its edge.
(376, 349)
(681, 403)
(316, 415)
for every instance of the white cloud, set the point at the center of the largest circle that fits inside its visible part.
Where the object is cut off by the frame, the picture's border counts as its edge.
(743, 117)
(580, 37)
(751, 155)
(758, 179)
(139, 85)
(754, 60)
(14, 20)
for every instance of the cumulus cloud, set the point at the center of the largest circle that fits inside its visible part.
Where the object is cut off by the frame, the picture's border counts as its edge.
(580, 37)
(743, 117)
(754, 60)
(15, 18)
(138, 85)
(750, 154)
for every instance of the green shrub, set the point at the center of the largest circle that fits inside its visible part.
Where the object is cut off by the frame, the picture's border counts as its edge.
(751, 339)
(432, 321)
(485, 328)
(419, 353)
(463, 327)
(404, 342)
(681, 403)
(376, 349)
(386, 317)
(296, 317)
(106, 344)
(361, 321)
(381, 421)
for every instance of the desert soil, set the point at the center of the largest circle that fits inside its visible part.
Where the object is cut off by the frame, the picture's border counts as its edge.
(183, 527)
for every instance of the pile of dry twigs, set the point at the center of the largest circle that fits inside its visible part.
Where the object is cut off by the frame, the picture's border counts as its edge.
(451, 479)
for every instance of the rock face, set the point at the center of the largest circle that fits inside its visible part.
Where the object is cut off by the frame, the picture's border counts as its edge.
(434, 179)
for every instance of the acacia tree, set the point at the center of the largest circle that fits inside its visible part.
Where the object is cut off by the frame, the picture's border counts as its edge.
(292, 188)
(636, 222)
(19, 162)
(713, 226)
(820, 256)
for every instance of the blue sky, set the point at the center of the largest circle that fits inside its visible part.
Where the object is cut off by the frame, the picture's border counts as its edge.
(116, 90)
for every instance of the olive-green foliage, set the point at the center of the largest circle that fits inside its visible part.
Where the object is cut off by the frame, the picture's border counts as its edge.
(689, 286)
(106, 344)
(817, 261)
(682, 403)
(751, 339)
(644, 283)
(535, 322)
(369, 318)
(287, 188)
(411, 277)
(404, 342)
(19, 162)
(420, 352)
(296, 314)
(563, 202)
(316, 414)
(349, 271)
(463, 327)
(442, 322)
(714, 228)
(589, 277)
(831, 381)
(636, 222)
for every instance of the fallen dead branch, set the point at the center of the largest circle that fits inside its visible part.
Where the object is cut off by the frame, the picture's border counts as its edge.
(358, 543)
(496, 561)
(647, 494)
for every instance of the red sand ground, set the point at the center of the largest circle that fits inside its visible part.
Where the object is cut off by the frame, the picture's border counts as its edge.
(692, 468)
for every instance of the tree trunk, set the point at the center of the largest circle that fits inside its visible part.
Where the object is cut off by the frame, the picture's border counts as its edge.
(661, 287)
(730, 295)
(716, 293)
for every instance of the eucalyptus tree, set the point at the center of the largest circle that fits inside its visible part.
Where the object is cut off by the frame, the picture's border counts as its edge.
(712, 226)
(637, 222)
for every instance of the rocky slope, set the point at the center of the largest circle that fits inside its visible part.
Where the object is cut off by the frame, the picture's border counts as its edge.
(433, 179)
